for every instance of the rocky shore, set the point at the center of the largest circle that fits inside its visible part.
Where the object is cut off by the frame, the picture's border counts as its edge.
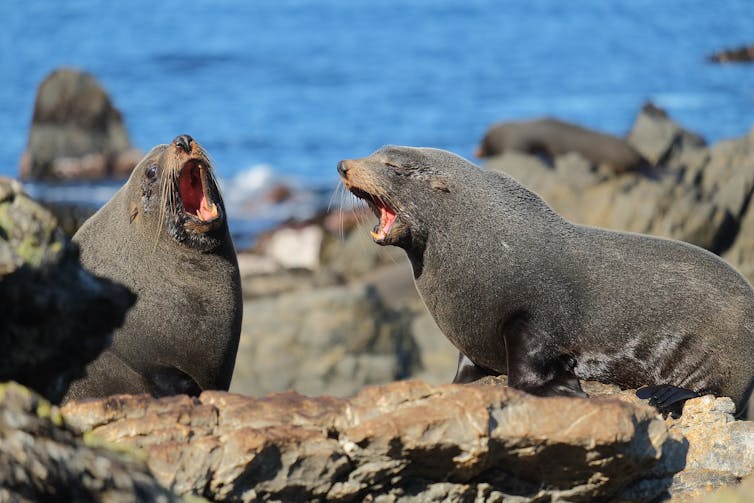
(331, 322)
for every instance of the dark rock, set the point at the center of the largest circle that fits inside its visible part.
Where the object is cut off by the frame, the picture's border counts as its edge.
(743, 54)
(42, 460)
(76, 132)
(56, 316)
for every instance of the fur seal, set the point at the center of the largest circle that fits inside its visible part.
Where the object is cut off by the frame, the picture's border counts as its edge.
(521, 291)
(165, 236)
(551, 138)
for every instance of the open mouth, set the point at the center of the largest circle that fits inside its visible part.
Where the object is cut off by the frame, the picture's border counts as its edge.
(194, 186)
(385, 213)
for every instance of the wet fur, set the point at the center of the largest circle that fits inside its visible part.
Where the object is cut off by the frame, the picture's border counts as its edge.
(520, 290)
(182, 334)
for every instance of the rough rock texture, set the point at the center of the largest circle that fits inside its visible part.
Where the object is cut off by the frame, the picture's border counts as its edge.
(405, 441)
(76, 132)
(55, 317)
(336, 341)
(42, 460)
(697, 194)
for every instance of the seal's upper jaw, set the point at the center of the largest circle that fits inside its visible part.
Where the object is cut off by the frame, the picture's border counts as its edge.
(198, 196)
(362, 184)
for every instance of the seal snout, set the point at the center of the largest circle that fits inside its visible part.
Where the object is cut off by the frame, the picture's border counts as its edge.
(184, 142)
(343, 168)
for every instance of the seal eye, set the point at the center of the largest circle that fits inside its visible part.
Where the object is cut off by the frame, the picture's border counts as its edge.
(152, 172)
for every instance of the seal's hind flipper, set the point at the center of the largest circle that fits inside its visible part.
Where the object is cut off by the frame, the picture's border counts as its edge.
(668, 399)
(469, 371)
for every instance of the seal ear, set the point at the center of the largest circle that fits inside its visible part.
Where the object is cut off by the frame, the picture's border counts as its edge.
(439, 184)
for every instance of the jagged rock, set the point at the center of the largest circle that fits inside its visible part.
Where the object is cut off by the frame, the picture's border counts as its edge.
(406, 441)
(699, 195)
(55, 317)
(42, 460)
(334, 340)
(658, 138)
(76, 132)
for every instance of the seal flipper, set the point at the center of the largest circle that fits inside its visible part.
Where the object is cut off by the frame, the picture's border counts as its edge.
(668, 399)
(534, 363)
(469, 371)
(167, 380)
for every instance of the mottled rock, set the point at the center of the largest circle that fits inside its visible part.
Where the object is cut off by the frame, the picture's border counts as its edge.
(42, 460)
(335, 340)
(406, 441)
(76, 132)
(56, 316)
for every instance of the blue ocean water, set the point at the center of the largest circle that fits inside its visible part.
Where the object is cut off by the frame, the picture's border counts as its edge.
(297, 85)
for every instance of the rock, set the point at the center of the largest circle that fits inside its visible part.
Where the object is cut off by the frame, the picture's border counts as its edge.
(406, 441)
(743, 54)
(76, 132)
(43, 460)
(739, 493)
(296, 247)
(658, 138)
(699, 195)
(334, 340)
(48, 303)
(355, 254)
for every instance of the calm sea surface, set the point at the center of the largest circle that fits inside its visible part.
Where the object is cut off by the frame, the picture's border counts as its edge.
(286, 88)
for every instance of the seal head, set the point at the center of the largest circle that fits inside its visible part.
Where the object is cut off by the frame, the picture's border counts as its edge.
(179, 191)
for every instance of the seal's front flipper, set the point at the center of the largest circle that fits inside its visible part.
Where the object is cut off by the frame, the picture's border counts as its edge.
(469, 371)
(166, 380)
(668, 399)
(535, 364)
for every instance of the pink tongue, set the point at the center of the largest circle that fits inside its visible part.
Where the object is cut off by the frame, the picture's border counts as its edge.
(386, 220)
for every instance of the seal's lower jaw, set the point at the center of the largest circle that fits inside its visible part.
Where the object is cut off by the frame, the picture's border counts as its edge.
(389, 230)
(201, 213)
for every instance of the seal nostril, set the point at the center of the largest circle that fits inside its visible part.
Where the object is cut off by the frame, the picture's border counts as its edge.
(184, 142)
(342, 168)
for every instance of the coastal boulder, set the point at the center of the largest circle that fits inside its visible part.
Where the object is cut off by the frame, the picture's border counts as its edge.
(76, 132)
(43, 460)
(405, 441)
(55, 317)
(697, 194)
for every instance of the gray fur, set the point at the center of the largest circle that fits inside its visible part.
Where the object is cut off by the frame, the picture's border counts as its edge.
(552, 138)
(182, 334)
(495, 265)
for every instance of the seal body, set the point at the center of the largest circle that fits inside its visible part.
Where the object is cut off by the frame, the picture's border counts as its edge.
(552, 138)
(164, 235)
(519, 290)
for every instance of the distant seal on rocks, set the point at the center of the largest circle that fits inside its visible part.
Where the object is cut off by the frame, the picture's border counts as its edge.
(521, 291)
(165, 236)
(552, 138)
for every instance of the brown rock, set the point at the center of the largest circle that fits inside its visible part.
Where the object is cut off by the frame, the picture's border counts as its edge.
(401, 441)
(76, 132)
